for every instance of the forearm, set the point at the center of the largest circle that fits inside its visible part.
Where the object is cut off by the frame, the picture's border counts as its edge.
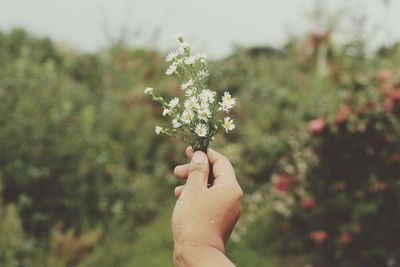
(200, 256)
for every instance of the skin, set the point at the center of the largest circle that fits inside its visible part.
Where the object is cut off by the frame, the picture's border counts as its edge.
(203, 218)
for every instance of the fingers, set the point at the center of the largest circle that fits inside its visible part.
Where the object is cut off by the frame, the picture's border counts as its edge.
(221, 166)
(178, 190)
(189, 152)
(182, 171)
(198, 171)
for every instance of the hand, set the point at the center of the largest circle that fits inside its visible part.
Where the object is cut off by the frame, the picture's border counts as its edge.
(203, 218)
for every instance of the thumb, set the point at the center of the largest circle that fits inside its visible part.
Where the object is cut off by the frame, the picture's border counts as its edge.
(198, 170)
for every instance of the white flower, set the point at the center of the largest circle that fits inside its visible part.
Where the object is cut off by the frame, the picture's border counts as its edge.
(184, 45)
(203, 74)
(192, 114)
(173, 103)
(207, 95)
(204, 113)
(178, 35)
(171, 69)
(227, 102)
(201, 56)
(148, 90)
(158, 129)
(202, 105)
(282, 209)
(191, 102)
(189, 92)
(166, 112)
(228, 124)
(227, 98)
(187, 84)
(181, 50)
(187, 116)
(201, 130)
(172, 55)
(190, 60)
(176, 123)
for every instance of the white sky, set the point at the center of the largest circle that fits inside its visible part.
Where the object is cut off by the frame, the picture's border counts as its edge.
(212, 26)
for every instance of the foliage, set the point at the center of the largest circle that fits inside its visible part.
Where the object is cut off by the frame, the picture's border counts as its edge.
(11, 235)
(72, 152)
(79, 154)
(338, 194)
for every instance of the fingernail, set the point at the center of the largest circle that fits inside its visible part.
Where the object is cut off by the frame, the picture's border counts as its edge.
(198, 157)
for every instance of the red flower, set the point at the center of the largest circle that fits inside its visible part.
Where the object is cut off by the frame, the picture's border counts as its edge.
(346, 238)
(317, 126)
(319, 236)
(343, 114)
(340, 186)
(377, 187)
(284, 183)
(394, 157)
(387, 89)
(395, 96)
(389, 104)
(365, 108)
(307, 203)
(384, 75)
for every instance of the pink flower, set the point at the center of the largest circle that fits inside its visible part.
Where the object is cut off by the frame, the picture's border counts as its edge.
(345, 238)
(284, 183)
(378, 186)
(365, 108)
(319, 236)
(317, 126)
(395, 96)
(343, 114)
(387, 89)
(389, 104)
(307, 203)
(384, 76)
(394, 157)
(340, 186)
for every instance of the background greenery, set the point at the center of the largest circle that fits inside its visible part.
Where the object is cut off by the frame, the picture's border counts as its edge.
(86, 182)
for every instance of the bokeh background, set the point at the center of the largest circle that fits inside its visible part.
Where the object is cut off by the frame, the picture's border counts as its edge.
(84, 180)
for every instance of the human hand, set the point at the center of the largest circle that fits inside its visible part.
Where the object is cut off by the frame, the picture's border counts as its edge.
(204, 218)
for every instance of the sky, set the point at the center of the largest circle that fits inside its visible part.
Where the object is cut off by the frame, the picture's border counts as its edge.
(213, 26)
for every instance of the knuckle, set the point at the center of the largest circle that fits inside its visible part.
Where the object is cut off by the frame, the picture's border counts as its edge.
(239, 212)
(198, 168)
(239, 195)
(225, 160)
(236, 195)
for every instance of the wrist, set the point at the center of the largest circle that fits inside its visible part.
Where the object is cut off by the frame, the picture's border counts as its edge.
(204, 239)
(196, 255)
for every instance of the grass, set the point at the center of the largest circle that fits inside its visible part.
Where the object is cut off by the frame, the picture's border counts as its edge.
(154, 246)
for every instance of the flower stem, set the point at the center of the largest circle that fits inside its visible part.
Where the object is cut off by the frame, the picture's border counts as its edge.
(210, 174)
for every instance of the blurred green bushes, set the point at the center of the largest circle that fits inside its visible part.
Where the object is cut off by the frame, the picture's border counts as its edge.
(86, 182)
(339, 198)
(75, 142)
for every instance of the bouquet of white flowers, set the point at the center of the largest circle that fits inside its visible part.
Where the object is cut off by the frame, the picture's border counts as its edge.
(196, 117)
